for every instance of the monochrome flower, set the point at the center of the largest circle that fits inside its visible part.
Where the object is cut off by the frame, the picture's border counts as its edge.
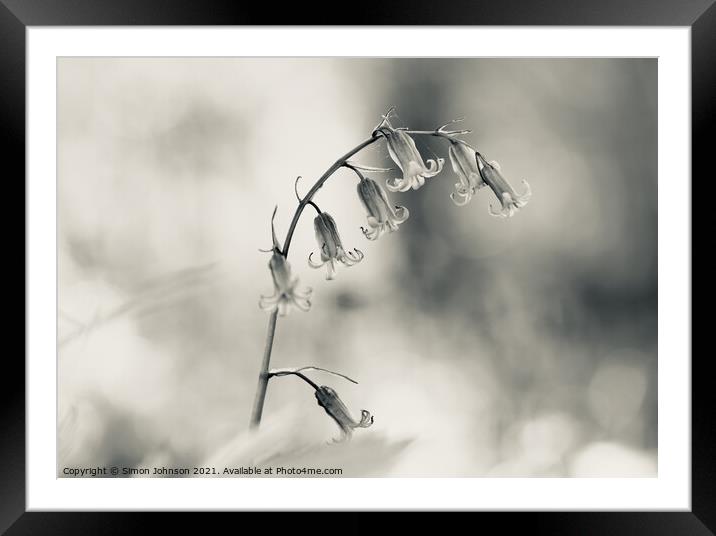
(383, 217)
(464, 162)
(328, 399)
(509, 198)
(473, 173)
(286, 293)
(331, 247)
(404, 153)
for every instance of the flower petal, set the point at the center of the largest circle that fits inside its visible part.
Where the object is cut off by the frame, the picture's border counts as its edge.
(314, 264)
(434, 167)
(269, 303)
(304, 304)
(461, 198)
(527, 195)
(401, 214)
(397, 184)
(366, 419)
(371, 234)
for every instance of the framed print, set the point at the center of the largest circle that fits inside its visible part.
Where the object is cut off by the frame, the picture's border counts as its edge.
(487, 302)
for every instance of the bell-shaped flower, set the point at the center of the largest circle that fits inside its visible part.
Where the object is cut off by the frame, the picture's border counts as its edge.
(509, 198)
(464, 162)
(331, 247)
(328, 399)
(404, 153)
(383, 217)
(286, 292)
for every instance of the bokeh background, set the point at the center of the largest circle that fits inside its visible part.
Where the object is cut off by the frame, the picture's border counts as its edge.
(483, 346)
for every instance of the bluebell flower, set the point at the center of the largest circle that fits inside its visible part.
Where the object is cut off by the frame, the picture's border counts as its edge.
(331, 247)
(405, 154)
(383, 217)
(286, 294)
(328, 399)
(464, 162)
(509, 198)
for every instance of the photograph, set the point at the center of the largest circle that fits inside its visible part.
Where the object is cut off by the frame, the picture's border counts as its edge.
(357, 267)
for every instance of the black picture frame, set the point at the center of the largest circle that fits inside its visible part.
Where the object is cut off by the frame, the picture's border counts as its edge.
(17, 15)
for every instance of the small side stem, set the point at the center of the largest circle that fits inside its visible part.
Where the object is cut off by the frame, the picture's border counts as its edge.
(440, 134)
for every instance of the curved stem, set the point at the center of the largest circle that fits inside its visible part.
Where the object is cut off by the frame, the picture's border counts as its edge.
(318, 210)
(305, 378)
(355, 170)
(309, 196)
(264, 376)
(284, 372)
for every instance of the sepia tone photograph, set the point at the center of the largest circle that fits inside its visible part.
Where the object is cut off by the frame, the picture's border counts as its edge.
(357, 267)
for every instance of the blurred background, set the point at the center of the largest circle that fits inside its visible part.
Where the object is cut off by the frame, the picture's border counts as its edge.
(482, 346)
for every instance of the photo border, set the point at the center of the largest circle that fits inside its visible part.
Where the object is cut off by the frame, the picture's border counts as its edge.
(702, 20)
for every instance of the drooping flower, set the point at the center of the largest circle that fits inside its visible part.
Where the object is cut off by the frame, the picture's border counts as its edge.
(509, 198)
(464, 162)
(383, 217)
(286, 293)
(331, 247)
(403, 151)
(328, 399)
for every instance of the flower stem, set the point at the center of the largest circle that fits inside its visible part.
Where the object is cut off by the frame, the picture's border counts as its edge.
(265, 363)
(309, 196)
(264, 375)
